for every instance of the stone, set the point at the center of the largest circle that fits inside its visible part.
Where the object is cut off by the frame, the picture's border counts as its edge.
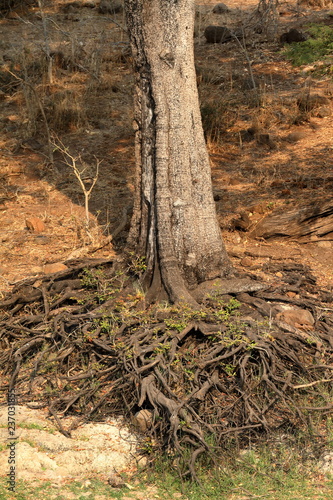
(295, 136)
(221, 8)
(35, 225)
(110, 6)
(217, 34)
(243, 222)
(70, 7)
(259, 208)
(115, 480)
(298, 318)
(143, 420)
(324, 244)
(293, 36)
(42, 239)
(326, 463)
(246, 262)
(56, 267)
(323, 112)
(265, 140)
(247, 135)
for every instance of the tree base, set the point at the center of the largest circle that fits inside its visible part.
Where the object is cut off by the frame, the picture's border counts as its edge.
(233, 369)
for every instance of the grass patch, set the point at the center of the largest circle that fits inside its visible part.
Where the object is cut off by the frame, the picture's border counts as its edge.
(317, 47)
(38, 427)
(45, 490)
(276, 474)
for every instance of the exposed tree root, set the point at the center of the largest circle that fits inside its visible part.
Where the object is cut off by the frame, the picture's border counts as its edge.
(83, 343)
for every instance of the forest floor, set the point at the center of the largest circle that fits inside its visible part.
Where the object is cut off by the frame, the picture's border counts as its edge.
(88, 107)
(285, 161)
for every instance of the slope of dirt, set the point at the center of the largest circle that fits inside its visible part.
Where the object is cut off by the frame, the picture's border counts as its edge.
(284, 161)
(87, 106)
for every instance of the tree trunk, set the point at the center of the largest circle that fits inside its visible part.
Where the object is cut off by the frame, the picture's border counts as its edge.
(174, 223)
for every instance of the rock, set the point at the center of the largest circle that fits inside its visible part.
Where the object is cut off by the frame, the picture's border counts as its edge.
(243, 222)
(143, 420)
(56, 267)
(246, 262)
(115, 480)
(247, 135)
(42, 239)
(221, 8)
(70, 7)
(326, 463)
(35, 225)
(265, 140)
(293, 36)
(217, 34)
(295, 136)
(259, 208)
(110, 6)
(323, 112)
(324, 244)
(298, 318)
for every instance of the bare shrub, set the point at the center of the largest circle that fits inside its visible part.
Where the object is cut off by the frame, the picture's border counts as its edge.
(267, 15)
(65, 112)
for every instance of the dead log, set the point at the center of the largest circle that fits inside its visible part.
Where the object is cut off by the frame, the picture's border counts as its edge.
(314, 220)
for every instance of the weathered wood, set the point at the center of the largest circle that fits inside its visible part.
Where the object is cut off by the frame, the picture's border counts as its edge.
(315, 219)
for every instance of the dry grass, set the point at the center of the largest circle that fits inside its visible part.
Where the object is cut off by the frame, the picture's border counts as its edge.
(253, 104)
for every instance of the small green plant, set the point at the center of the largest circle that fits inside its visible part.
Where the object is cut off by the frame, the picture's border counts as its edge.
(173, 324)
(161, 348)
(105, 325)
(91, 277)
(230, 370)
(189, 373)
(136, 264)
(318, 46)
(225, 310)
(31, 426)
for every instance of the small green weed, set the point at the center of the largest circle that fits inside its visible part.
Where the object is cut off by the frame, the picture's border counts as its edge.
(136, 264)
(319, 46)
(39, 427)
(91, 277)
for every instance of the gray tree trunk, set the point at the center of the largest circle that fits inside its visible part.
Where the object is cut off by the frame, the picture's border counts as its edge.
(174, 223)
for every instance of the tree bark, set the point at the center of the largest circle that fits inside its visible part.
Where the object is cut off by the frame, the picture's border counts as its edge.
(174, 222)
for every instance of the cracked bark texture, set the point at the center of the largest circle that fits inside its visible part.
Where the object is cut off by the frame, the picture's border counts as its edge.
(174, 223)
